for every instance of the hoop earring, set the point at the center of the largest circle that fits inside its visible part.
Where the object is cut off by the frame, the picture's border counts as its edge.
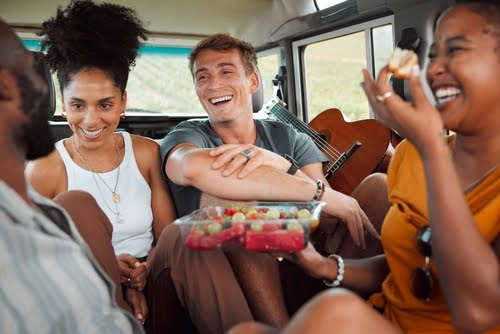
(122, 115)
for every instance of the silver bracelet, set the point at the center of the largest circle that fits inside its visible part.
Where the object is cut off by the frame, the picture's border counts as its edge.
(340, 271)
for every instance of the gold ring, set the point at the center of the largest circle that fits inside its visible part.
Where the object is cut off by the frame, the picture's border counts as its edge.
(246, 153)
(383, 97)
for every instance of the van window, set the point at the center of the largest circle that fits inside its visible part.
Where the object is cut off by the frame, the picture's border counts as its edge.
(268, 66)
(332, 64)
(159, 84)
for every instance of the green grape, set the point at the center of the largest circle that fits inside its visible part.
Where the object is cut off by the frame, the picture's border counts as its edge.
(214, 228)
(304, 214)
(272, 214)
(239, 217)
(294, 226)
(257, 226)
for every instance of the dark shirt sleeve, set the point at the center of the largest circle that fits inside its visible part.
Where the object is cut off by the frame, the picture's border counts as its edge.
(198, 133)
(305, 151)
(184, 132)
(284, 139)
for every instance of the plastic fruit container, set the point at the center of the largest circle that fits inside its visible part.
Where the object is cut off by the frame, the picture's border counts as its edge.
(263, 226)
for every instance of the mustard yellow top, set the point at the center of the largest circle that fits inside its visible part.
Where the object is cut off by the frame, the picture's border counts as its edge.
(407, 194)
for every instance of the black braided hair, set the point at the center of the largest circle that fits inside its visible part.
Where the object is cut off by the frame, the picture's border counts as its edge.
(87, 35)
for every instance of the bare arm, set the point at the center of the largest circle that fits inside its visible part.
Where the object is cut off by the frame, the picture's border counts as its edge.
(47, 175)
(188, 165)
(364, 275)
(161, 200)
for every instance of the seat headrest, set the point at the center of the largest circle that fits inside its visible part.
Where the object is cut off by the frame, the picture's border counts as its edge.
(42, 68)
(258, 96)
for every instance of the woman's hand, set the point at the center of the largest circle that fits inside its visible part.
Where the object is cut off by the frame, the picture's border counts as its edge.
(231, 157)
(137, 303)
(132, 272)
(418, 120)
(347, 210)
(308, 259)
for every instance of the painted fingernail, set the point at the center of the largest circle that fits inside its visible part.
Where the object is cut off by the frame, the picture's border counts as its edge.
(415, 70)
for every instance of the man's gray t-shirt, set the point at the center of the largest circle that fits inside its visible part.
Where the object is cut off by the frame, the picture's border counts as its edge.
(274, 136)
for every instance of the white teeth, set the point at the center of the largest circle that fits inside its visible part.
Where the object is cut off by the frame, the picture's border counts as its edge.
(444, 95)
(444, 92)
(220, 99)
(92, 133)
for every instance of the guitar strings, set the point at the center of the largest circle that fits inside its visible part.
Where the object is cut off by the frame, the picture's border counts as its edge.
(329, 150)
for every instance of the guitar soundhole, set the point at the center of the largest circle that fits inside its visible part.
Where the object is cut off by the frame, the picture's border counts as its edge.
(326, 136)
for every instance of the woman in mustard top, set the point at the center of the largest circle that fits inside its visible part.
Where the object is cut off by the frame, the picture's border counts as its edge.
(441, 268)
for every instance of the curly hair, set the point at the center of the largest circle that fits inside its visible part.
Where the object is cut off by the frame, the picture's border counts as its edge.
(224, 42)
(87, 35)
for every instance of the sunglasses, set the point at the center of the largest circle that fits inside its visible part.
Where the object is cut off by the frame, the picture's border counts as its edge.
(421, 281)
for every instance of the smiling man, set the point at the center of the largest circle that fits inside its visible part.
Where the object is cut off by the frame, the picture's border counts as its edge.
(233, 156)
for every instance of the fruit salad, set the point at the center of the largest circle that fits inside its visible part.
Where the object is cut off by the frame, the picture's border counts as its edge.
(266, 226)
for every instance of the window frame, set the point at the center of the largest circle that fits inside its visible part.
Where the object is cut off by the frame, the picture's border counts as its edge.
(299, 46)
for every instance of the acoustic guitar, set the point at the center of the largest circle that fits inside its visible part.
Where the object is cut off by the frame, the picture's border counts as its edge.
(354, 149)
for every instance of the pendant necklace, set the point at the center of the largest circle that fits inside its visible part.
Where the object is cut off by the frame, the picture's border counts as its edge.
(115, 196)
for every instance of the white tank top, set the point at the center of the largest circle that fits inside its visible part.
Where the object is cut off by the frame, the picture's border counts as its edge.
(134, 235)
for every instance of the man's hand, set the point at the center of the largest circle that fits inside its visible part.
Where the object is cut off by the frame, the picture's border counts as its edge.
(347, 209)
(132, 272)
(231, 158)
(137, 303)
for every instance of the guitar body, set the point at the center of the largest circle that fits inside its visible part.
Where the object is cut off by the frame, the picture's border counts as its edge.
(371, 156)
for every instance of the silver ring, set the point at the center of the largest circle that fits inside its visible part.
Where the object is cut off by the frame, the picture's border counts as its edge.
(246, 153)
(383, 97)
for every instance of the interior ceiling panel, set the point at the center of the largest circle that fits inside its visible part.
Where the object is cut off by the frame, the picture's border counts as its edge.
(252, 20)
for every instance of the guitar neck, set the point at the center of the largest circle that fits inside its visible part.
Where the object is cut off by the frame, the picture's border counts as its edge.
(277, 109)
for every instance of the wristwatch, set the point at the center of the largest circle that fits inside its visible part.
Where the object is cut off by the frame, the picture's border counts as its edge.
(294, 167)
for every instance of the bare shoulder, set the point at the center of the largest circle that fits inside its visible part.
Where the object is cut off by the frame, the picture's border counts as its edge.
(141, 144)
(47, 175)
(146, 151)
(51, 166)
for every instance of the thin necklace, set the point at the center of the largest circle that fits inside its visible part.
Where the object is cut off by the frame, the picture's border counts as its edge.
(116, 196)
(481, 178)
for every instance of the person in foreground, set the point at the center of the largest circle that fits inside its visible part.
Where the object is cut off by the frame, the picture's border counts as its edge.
(49, 280)
(441, 236)
(120, 170)
(234, 157)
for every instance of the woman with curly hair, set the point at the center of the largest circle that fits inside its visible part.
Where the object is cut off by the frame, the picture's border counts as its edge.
(92, 48)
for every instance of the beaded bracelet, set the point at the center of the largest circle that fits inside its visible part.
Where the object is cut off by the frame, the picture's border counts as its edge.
(340, 271)
(320, 191)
